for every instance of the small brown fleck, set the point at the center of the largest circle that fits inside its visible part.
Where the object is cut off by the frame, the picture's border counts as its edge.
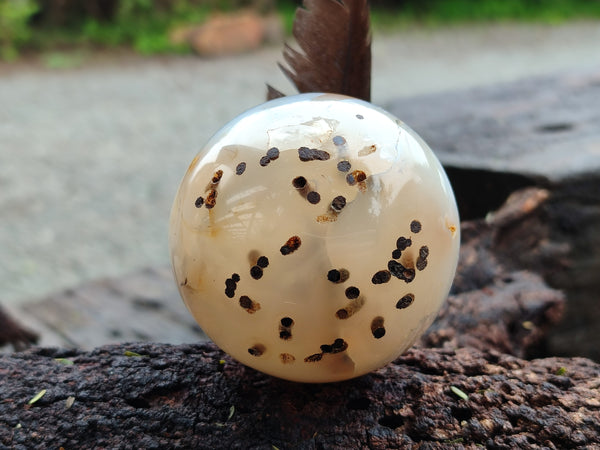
(314, 358)
(415, 226)
(211, 199)
(273, 153)
(217, 177)
(352, 292)
(377, 327)
(357, 176)
(342, 314)
(286, 335)
(312, 154)
(257, 350)
(344, 166)
(199, 202)
(313, 197)
(405, 301)
(291, 245)
(262, 262)
(287, 358)
(299, 182)
(339, 345)
(422, 259)
(381, 277)
(338, 203)
(241, 168)
(248, 304)
(256, 272)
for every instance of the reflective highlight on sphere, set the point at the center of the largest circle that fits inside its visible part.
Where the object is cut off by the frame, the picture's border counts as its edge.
(314, 238)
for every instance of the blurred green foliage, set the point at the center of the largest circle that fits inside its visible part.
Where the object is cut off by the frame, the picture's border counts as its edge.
(14, 26)
(144, 25)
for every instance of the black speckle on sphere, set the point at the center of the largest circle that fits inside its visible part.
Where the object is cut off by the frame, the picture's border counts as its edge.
(256, 272)
(287, 322)
(405, 301)
(264, 161)
(299, 182)
(313, 197)
(241, 167)
(396, 254)
(199, 202)
(273, 153)
(338, 203)
(403, 243)
(415, 226)
(344, 166)
(352, 292)
(383, 276)
(339, 140)
(235, 277)
(262, 262)
(334, 275)
(378, 333)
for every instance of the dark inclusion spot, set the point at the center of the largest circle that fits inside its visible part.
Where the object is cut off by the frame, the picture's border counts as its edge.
(377, 327)
(273, 153)
(241, 167)
(313, 197)
(342, 314)
(339, 140)
(199, 202)
(396, 254)
(344, 166)
(383, 276)
(299, 182)
(338, 276)
(217, 177)
(422, 259)
(405, 301)
(264, 161)
(256, 272)
(291, 245)
(401, 272)
(262, 262)
(312, 154)
(248, 304)
(359, 116)
(231, 285)
(352, 292)
(415, 226)
(403, 243)
(211, 199)
(338, 203)
(287, 322)
(257, 350)
(285, 328)
(358, 176)
(338, 346)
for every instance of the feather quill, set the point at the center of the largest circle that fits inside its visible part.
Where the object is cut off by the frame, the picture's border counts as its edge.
(335, 48)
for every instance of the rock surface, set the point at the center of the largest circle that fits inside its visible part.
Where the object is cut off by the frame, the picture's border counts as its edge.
(193, 396)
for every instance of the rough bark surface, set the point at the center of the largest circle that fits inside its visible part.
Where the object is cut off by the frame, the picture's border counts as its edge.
(193, 396)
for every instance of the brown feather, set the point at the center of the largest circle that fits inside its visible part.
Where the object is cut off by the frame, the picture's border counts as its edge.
(273, 93)
(335, 42)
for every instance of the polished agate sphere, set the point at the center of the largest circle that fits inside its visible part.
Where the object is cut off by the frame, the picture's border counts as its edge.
(315, 237)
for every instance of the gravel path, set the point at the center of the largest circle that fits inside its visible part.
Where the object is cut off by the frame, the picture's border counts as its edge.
(90, 158)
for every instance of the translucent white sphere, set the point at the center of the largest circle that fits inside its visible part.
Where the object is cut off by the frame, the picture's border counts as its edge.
(315, 237)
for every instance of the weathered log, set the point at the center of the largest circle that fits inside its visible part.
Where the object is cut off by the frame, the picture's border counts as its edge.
(194, 396)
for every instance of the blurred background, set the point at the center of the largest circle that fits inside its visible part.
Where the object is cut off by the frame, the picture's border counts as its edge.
(104, 103)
